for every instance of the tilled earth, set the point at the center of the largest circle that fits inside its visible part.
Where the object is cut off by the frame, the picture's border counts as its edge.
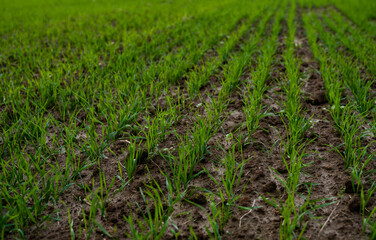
(340, 219)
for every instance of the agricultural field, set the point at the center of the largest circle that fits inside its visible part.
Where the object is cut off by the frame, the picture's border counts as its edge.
(188, 119)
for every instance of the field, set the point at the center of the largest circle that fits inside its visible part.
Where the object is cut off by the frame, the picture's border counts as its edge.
(188, 119)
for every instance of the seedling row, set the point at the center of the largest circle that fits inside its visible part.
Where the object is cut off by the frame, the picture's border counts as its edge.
(188, 120)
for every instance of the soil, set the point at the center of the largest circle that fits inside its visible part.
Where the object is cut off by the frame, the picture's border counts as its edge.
(338, 220)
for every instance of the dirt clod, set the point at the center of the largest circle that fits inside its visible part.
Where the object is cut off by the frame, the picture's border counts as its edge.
(317, 98)
(269, 187)
(354, 204)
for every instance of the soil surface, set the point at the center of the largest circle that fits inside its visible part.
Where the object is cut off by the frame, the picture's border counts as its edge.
(340, 219)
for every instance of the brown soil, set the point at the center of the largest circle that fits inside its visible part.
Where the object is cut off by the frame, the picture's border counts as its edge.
(339, 220)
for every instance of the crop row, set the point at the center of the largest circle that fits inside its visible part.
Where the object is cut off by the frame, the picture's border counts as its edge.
(130, 106)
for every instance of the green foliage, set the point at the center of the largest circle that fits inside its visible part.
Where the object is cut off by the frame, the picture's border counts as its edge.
(88, 88)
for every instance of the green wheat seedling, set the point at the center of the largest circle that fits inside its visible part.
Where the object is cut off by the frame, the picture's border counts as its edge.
(218, 216)
(118, 122)
(152, 224)
(203, 130)
(252, 110)
(89, 220)
(350, 125)
(256, 88)
(45, 184)
(296, 128)
(76, 163)
(350, 73)
(291, 84)
(234, 69)
(351, 131)
(232, 174)
(132, 158)
(359, 88)
(155, 130)
(102, 194)
(355, 153)
(201, 75)
(71, 223)
(294, 216)
(252, 98)
(194, 146)
(228, 192)
(182, 167)
(215, 109)
(372, 123)
(93, 148)
(90, 223)
(357, 157)
(233, 72)
(294, 223)
(364, 50)
(358, 174)
(370, 222)
(95, 89)
(76, 82)
(215, 219)
(297, 123)
(332, 84)
(356, 16)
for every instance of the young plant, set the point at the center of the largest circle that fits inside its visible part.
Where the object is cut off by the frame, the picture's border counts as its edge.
(153, 223)
(132, 157)
(228, 194)
(182, 167)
